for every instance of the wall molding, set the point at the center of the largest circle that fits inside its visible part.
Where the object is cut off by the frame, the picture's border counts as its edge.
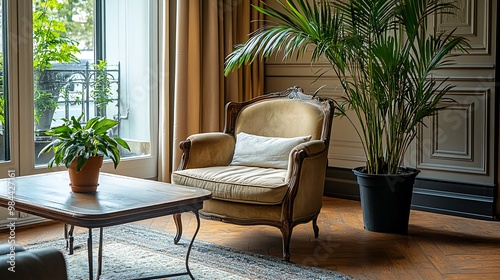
(450, 198)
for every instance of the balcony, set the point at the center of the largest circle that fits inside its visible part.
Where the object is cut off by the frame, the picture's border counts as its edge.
(68, 90)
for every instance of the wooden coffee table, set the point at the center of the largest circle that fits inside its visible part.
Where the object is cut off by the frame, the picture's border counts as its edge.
(118, 200)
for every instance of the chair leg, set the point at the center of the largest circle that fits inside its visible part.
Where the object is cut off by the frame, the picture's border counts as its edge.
(315, 227)
(286, 231)
(178, 225)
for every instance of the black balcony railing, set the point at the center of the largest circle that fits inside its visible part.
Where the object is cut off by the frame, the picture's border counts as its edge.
(79, 88)
(75, 89)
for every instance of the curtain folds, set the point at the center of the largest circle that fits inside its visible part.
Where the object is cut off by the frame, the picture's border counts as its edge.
(205, 33)
(164, 131)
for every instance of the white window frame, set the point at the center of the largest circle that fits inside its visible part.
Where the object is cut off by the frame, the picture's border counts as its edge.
(20, 80)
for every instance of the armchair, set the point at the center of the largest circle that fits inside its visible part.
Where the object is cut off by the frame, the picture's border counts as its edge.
(268, 165)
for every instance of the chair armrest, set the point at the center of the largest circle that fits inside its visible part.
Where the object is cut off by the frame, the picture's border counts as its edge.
(306, 179)
(311, 147)
(307, 149)
(207, 149)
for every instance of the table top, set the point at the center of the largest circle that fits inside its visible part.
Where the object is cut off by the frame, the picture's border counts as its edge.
(118, 200)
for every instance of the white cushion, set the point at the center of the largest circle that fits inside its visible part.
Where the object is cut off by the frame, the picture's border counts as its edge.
(261, 151)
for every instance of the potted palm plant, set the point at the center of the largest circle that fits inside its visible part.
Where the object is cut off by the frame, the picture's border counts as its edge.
(81, 149)
(384, 57)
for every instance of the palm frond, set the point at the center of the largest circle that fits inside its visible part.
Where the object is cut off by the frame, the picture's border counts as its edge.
(382, 54)
(294, 30)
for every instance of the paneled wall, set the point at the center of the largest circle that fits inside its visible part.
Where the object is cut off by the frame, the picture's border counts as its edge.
(458, 144)
(456, 150)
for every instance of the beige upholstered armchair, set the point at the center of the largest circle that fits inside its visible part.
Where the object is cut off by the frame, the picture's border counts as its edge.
(267, 167)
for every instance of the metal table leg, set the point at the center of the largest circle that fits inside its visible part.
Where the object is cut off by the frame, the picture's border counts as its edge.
(89, 252)
(191, 243)
(68, 235)
(99, 258)
(91, 257)
(188, 271)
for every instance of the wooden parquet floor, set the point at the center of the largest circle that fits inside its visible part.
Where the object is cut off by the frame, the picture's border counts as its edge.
(437, 246)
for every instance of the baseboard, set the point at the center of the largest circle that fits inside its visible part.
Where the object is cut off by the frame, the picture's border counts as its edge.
(20, 222)
(341, 182)
(451, 198)
(458, 199)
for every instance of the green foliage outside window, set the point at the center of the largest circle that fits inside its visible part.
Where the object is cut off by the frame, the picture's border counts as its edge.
(78, 18)
(50, 40)
(50, 44)
(2, 98)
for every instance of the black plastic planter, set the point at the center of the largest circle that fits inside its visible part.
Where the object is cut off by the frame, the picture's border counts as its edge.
(386, 199)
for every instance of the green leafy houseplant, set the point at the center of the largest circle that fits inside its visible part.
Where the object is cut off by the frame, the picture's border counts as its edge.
(76, 141)
(382, 55)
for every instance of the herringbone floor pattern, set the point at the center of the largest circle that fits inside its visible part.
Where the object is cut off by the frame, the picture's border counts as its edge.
(437, 246)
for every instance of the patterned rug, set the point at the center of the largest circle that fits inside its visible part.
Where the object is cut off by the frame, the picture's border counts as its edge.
(132, 251)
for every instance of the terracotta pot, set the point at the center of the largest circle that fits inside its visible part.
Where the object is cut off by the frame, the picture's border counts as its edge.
(86, 180)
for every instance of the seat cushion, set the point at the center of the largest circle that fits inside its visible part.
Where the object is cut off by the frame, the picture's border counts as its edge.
(245, 184)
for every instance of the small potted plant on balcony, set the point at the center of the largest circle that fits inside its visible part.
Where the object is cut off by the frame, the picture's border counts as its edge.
(384, 56)
(102, 93)
(81, 148)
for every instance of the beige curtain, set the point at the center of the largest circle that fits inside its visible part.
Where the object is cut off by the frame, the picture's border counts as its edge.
(205, 33)
(247, 82)
(164, 100)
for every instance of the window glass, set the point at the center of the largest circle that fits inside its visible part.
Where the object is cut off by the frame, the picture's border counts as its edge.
(4, 131)
(93, 58)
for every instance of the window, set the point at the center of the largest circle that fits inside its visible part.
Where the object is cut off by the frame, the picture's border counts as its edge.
(4, 129)
(85, 56)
